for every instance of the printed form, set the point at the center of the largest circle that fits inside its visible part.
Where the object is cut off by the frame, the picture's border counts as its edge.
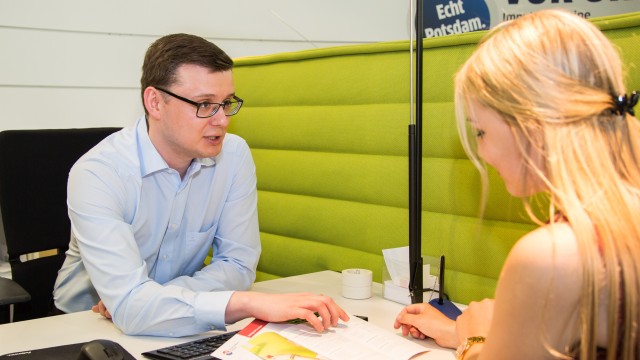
(355, 339)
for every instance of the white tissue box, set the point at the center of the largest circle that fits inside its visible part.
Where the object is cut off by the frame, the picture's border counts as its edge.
(396, 293)
(401, 295)
(395, 275)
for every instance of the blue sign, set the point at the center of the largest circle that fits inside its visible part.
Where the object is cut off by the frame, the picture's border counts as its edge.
(457, 16)
(454, 17)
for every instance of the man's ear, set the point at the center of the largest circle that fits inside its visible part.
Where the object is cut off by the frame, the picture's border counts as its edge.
(152, 101)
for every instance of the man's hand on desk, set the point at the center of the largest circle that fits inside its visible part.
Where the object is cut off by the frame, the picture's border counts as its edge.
(283, 307)
(100, 308)
(423, 320)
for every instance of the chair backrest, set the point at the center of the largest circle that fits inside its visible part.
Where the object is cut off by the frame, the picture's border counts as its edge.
(34, 167)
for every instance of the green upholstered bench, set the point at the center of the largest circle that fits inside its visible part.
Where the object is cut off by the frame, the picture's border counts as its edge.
(328, 132)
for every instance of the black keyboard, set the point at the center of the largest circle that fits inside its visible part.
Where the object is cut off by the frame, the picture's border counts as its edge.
(192, 350)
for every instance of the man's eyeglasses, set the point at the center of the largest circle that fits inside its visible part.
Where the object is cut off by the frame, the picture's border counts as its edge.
(208, 109)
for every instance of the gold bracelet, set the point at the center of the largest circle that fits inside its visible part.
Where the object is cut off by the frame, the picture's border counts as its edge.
(462, 350)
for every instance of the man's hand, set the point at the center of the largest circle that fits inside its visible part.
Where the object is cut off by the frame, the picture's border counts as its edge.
(100, 308)
(283, 307)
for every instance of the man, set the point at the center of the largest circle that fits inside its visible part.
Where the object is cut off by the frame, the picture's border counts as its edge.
(148, 202)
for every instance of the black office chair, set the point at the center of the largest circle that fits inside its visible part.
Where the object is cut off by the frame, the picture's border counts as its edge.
(34, 167)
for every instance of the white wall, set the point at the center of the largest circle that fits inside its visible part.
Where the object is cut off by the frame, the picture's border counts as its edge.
(76, 63)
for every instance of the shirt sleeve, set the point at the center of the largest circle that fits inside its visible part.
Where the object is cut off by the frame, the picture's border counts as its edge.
(98, 201)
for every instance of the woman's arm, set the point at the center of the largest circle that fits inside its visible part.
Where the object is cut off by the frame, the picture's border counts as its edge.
(536, 302)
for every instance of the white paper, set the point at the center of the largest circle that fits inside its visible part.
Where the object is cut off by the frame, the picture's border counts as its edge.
(353, 340)
(397, 262)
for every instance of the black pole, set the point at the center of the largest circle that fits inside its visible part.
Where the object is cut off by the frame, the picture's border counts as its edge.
(441, 286)
(415, 173)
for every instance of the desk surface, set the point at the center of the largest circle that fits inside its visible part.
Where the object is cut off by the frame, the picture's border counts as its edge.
(86, 326)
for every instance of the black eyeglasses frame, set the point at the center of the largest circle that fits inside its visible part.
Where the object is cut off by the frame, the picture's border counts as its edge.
(200, 105)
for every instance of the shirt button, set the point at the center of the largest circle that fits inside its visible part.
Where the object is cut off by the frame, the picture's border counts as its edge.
(213, 327)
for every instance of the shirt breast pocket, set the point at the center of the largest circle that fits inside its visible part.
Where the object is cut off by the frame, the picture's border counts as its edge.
(199, 244)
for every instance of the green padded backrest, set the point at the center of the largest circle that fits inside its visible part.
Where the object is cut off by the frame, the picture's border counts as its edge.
(329, 136)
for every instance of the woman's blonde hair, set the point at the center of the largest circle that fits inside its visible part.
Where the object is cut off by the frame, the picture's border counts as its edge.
(553, 77)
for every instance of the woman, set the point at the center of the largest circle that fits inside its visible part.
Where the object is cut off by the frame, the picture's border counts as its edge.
(543, 101)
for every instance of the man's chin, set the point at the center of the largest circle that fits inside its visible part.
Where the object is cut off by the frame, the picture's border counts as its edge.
(211, 152)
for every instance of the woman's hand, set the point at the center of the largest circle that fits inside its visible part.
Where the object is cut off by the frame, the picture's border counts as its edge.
(423, 320)
(283, 307)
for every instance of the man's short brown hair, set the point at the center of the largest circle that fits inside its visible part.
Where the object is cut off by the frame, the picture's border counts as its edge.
(169, 52)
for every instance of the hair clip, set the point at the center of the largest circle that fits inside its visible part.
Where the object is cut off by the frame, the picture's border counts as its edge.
(624, 104)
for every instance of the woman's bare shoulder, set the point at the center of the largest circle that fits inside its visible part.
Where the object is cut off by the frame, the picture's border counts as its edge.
(548, 247)
(548, 259)
(539, 286)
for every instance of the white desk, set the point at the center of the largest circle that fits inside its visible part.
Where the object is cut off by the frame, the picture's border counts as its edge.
(86, 326)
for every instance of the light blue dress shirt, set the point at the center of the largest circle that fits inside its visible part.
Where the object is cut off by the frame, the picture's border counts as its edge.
(140, 235)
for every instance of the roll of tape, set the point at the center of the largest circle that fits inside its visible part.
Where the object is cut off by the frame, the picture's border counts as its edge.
(357, 277)
(356, 283)
(356, 292)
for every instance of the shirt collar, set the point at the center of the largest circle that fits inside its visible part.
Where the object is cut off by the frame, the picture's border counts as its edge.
(150, 159)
